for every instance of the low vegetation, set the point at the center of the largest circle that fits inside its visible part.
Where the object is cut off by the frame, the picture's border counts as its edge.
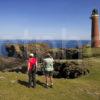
(88, 52)
(13, 86)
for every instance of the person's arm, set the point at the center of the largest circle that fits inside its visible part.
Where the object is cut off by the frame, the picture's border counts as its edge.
(28, 66)
(36, 64)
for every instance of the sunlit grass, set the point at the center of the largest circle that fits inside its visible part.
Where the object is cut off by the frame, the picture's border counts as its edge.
(82, 88)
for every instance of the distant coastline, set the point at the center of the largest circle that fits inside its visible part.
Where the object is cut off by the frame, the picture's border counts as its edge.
(51, 43)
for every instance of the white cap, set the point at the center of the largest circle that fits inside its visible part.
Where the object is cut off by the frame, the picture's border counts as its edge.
(31, 54)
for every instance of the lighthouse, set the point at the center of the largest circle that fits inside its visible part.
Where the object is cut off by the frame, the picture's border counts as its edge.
(95, 39)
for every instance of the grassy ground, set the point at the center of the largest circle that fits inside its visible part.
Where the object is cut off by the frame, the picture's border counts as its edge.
(13, 86)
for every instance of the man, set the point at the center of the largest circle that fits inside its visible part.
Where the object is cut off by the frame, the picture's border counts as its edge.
(48, 66)
(32, 64)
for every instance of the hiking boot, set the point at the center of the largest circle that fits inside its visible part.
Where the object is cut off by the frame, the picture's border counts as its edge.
(51, 86)
(29, 86)
(33, 86)
(47, 86)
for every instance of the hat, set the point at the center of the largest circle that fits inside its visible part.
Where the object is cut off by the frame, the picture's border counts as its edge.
(48, 55)
(31, 54)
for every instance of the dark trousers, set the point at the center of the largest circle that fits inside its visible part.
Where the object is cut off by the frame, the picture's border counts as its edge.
(32, 78)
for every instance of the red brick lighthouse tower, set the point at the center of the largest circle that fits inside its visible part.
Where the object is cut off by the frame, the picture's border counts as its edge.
(95, 41)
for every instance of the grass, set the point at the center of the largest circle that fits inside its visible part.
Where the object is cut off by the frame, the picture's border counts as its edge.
(91, 52)
(83, 88)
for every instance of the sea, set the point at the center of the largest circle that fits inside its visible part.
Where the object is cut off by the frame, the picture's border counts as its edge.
(51, 43)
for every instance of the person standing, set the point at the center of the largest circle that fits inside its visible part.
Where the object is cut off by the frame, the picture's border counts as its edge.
(48, 69)
(32, 65)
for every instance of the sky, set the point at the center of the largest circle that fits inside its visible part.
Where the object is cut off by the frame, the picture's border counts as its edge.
(46, 19)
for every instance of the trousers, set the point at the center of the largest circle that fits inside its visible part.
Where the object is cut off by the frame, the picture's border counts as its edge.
(32, 78)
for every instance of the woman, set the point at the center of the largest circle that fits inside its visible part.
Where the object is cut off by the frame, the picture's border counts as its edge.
(48, 66)
(32, 64)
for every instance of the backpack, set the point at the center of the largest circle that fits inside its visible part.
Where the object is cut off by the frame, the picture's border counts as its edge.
(33, 67)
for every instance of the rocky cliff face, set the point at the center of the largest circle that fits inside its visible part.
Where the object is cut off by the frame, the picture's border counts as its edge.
(9, 63)
(18, 55)
(22, 51)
